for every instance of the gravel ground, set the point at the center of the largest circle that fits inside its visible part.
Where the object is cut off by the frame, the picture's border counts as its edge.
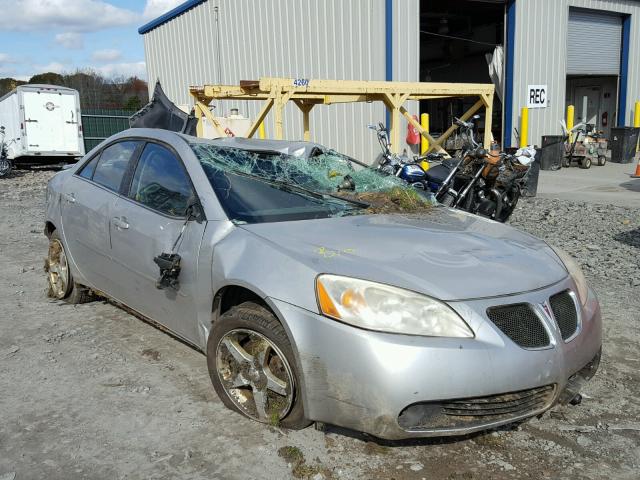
(91, 392)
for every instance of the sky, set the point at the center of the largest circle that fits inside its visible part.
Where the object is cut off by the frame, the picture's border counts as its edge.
(62, 36)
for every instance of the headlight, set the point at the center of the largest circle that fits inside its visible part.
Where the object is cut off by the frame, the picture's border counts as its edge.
(383, 308)
(576, 273)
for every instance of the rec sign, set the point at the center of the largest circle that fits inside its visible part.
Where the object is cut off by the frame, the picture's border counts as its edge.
(537, 96)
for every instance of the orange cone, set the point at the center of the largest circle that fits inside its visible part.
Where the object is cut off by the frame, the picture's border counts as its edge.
(637, 174)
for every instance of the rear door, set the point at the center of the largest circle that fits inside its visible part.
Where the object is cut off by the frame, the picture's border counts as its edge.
(87, 204)
(147, 223)
(44, 121)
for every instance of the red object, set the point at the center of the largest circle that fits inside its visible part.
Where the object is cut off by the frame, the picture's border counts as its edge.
(605, 119)
(229, 132)
(413, 135)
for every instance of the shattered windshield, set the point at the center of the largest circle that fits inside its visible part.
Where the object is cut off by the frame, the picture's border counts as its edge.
(265, 186)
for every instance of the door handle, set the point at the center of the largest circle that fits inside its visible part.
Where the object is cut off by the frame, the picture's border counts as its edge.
(69, 197)
(120, 223)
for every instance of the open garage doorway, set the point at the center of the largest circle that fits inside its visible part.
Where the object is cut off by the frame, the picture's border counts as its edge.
(595, 99)
(457, 38)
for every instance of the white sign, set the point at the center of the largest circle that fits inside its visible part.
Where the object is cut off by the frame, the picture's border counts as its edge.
(537, 96)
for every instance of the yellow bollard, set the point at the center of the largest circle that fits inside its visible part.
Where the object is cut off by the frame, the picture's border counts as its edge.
(570, 119)
(261, 132)
(636, 121)
(524, 127)
(424, 123)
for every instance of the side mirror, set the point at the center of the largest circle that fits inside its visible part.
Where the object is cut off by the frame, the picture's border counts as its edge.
(476, 117)
(195, 212)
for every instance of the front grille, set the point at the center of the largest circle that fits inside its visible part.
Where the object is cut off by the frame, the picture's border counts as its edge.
(478, 411)
(520, 323)
(564, 309)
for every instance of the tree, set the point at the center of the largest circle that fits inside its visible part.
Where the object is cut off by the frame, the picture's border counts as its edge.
(133, 103)
(49, 78)
(9, 84)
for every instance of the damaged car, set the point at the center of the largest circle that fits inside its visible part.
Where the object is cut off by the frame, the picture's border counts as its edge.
(316, 298)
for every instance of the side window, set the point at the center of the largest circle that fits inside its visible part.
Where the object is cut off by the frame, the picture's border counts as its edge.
(89, 168)
(161, 182)
(113, 164)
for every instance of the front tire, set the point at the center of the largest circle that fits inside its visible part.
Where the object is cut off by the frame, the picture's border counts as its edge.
(5, 167)
(60, 281)
(252, 367)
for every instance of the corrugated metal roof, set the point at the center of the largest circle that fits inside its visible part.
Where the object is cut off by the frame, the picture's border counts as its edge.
(170, 15)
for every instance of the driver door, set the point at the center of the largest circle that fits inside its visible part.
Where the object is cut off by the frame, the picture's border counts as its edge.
(147, 222)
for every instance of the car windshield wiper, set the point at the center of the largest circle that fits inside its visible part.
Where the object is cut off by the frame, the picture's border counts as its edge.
(295, 188)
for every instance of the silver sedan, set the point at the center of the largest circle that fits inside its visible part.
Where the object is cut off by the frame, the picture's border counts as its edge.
(310, 305)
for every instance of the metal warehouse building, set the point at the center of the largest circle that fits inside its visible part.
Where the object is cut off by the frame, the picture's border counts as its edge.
(581, 52)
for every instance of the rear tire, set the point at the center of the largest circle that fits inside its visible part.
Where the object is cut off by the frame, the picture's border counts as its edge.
(61, 284)
(250, 358)
(602, 160)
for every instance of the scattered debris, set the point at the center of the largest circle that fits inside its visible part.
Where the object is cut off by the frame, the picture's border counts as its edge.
(299, 467)
(152, 354)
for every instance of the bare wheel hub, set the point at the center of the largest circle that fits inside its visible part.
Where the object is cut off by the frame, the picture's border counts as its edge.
(255, 375)
(57, 269)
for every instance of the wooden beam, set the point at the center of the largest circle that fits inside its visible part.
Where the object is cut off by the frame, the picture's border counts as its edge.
(488, 118)
(306, 109)
(209, 116)
(260, 118)
(422, 131)
(466, 116)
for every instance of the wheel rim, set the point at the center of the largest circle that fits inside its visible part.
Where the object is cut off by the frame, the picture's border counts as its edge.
(58, 269)
(255, 375)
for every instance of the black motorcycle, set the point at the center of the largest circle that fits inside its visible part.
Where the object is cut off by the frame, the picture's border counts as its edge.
(6, 165)
(480, 182)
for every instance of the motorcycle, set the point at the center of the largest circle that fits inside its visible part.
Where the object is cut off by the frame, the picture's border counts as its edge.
(6, 164)
(402, 166)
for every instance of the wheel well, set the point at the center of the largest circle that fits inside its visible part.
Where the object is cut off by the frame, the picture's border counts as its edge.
(49, 229)
(233, 295)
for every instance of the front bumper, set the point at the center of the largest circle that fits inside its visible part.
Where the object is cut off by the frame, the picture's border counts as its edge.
(364, 380)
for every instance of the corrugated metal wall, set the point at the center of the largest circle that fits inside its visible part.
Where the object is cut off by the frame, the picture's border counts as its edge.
(327, 39)
(540, 57)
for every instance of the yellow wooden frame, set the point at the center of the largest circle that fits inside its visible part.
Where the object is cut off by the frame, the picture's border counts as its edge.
(276, 92)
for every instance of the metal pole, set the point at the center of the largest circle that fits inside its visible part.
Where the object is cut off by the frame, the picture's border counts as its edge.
(524, 127)
(570, 119)
(424, 142)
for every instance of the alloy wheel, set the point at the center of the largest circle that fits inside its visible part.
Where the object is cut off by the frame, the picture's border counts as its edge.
(255, 375)
(58, 269)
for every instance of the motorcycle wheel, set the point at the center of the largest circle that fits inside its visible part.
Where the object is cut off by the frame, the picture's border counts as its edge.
(508, 208)
(448, 199)
(5, 167)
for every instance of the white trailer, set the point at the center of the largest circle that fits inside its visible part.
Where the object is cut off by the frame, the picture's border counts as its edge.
(42, 121)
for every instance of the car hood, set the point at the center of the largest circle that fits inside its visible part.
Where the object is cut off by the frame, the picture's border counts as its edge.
(448, 254)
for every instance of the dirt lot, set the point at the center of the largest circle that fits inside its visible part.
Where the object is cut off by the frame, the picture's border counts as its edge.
(92, 392)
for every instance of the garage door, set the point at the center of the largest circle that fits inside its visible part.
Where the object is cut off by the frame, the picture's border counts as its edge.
(593, 43)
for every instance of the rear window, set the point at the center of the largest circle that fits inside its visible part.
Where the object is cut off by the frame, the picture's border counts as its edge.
(112, 164)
